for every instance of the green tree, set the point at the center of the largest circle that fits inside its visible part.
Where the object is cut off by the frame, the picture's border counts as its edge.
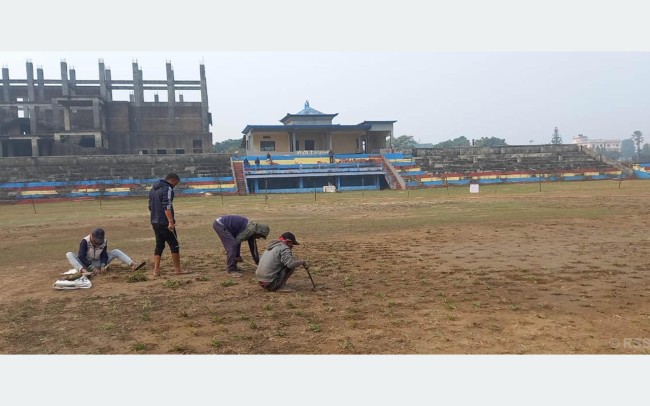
(557, 138)
(627, 150)
(490, 142)
(644, 156)
(637, 137)
(461, 141)
(404, 142)
(227, 146)
(613, 155)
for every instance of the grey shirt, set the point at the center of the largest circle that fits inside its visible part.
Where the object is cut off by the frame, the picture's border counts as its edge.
(277, 256)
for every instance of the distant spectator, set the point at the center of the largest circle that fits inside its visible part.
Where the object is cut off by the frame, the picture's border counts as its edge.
(268, 158)
(257, 162)
(331, 154)
(247, 164)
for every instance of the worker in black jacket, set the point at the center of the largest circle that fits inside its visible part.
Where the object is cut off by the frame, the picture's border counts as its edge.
(161, 208)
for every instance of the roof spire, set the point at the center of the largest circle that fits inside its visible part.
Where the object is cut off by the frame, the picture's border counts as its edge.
(306, 104)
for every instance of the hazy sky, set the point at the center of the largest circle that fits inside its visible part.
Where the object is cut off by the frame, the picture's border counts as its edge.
(504, 69)
(434, 96)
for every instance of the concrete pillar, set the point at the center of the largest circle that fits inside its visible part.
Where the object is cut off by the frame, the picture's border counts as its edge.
(34, 146)
(102, 79)
(98, 140)
(40, 81)
(96, 115)
(55, 115)
(65, 90)
(204, 100)
(329, 136)
(30, 81)
(66, 118)
(155, 98)
(5, 85)
(171, 95)
(138, 91)
(109, 89)
(1, 154)
(73, 82)
(31, 113)
(180, 98)
(138, 96)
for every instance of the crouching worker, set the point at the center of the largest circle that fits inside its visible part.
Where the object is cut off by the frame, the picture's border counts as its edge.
(93, 256)
(277, 264)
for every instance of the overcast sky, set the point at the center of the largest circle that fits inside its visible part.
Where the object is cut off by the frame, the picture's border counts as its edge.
(437, 79)
(433, 96)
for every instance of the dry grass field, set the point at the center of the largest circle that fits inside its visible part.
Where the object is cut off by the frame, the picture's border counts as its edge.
(510, 270)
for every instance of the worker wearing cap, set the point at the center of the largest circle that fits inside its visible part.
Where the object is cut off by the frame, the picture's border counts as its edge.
(93, 255)
(277, 264)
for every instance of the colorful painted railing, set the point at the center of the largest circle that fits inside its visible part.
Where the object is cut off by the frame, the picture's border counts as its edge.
(111, 188)
(642, 171)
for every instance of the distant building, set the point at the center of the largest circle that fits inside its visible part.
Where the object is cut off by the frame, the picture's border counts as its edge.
(66, 116)
(310, 130)
(604, 145)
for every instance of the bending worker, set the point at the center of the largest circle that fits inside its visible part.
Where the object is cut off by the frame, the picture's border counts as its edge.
(232, 231)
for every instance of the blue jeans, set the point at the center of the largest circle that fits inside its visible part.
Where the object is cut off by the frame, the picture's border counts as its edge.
(230, 244)
(113, 254)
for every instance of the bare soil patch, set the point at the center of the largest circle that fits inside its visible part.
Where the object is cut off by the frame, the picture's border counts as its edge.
(507, 271)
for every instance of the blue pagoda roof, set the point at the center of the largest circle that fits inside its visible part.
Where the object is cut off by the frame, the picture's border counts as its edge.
(308, 111)
(291, 127)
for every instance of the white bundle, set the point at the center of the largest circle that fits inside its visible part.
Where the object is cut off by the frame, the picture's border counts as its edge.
(80, 283)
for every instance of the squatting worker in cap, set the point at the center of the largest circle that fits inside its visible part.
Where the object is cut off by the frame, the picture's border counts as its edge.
(93, 255)
(277, 264)
(163, 222)
(232, 231)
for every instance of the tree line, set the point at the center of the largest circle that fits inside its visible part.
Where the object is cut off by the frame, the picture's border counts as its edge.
(632, 149)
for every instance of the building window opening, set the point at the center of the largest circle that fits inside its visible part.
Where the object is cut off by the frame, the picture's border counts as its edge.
(161, 151)
(197, 146)
(309, 145)
(21, 109)
(180, 151)
(267, 145)
(87, 141)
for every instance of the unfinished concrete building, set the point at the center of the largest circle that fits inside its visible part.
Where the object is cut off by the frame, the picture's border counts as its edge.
(67, 116)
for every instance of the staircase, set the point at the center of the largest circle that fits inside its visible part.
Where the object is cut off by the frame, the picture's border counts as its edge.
(600, 157)
(395, 181)
(240, 178)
